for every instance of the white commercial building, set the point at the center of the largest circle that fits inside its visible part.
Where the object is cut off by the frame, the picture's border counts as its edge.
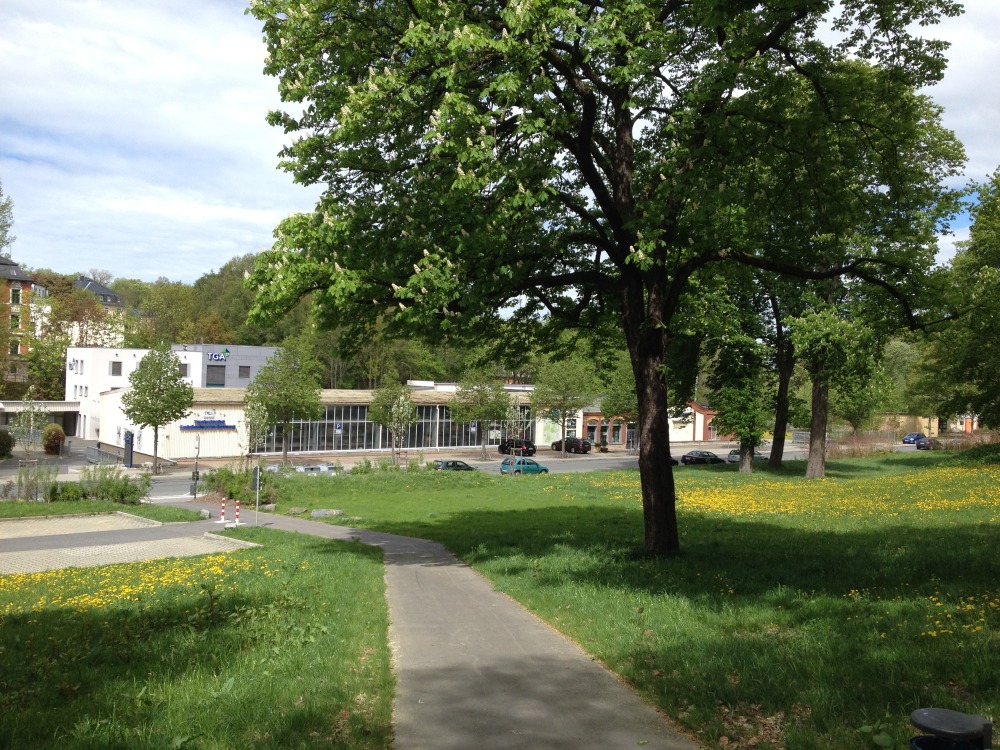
(91, 372)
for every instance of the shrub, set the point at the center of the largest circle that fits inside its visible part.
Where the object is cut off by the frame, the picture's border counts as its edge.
(6, 444)
(53, 438)
(110, 483)
(238, 483)
(364, 466)
(35, 483)
(69, 492)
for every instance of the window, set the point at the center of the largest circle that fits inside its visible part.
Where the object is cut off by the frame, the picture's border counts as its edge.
(116, 368)
(15, 347)
(15, 322)
(244, 371)
(184, 369)
(216, 376)
(15, 295)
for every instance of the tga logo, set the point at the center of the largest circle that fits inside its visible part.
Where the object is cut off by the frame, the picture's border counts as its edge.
(218, 356)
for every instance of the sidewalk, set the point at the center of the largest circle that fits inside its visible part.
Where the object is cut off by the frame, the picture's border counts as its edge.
(474, 669)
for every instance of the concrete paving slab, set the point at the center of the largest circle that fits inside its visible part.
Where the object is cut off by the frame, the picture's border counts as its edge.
(17, 528)
(36, 561)
(474, 669)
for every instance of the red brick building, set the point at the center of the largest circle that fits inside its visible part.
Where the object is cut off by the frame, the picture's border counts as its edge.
(15, 305)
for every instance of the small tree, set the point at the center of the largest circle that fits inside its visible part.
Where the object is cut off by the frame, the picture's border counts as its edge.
(562, 388)
(480, 399)
(392, 408)
(158, 395)
(256, 426)
(26, 424)
(287, 388)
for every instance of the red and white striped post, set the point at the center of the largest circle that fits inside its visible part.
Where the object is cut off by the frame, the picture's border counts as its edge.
(237, 512)
(222, 515)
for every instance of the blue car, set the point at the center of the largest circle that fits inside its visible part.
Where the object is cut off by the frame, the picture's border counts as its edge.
(520, 465)
(912, 437)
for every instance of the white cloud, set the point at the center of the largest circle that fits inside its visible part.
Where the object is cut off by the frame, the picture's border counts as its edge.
(133, 138)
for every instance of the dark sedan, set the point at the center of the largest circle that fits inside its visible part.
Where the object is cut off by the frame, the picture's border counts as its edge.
(573, 445)
(450, 465)
(701, 457)
(927, 444)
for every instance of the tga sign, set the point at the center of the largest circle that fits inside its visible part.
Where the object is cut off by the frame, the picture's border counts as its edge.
(218, 356)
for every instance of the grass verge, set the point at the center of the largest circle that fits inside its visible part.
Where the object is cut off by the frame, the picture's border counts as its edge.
(281, 646)
(162, 513)
(798, 613)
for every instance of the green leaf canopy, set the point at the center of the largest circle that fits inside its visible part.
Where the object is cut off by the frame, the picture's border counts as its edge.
(488, 165)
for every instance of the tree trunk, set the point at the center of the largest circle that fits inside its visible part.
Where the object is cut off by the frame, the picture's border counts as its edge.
(785, 364)
(746, 457)
(816, 467)
(284, 443)
(156, 442)
(647, 343)
(655, 467)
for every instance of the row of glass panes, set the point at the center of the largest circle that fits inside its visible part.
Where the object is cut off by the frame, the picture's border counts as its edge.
(346, 428)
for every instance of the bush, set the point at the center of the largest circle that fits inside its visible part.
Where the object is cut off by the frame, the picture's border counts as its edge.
(110, 483)
(69, 492)
(6, 444)
(364, 466)
(238, 484)
(36, 483)
(53, 438)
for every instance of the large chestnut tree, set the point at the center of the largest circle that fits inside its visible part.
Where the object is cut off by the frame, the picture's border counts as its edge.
(490, 163)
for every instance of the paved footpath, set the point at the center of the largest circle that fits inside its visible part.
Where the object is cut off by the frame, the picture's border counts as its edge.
(474, 669)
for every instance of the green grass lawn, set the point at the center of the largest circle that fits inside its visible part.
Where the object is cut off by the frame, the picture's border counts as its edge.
(798, 612)
(278, 647)
(162, 513)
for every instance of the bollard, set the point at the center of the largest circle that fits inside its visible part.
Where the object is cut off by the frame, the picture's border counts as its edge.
(222, 514)
(237, 512)
(951, 730)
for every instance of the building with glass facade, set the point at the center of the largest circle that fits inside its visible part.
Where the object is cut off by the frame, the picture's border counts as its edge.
(216, 427)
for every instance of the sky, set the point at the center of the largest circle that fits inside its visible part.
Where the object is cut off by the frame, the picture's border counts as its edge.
(133, 136)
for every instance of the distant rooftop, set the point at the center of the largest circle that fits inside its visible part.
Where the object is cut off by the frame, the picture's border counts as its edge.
(107, 296)
(11, 270)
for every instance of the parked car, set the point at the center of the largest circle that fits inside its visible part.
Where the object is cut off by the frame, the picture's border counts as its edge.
(734, 456)
(700, 457)
(517, 446)
(450, 465)
(317, 469)
(927, 444)
(520, 465)
(911, 438)
(573, 445)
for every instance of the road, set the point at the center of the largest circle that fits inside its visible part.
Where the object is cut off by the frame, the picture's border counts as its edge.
(176, 484)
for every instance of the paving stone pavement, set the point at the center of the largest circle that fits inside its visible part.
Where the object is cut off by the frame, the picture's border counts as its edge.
(473, 668)
(19, 554)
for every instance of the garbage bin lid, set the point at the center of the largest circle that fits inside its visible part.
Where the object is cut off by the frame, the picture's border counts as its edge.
(952, 725)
